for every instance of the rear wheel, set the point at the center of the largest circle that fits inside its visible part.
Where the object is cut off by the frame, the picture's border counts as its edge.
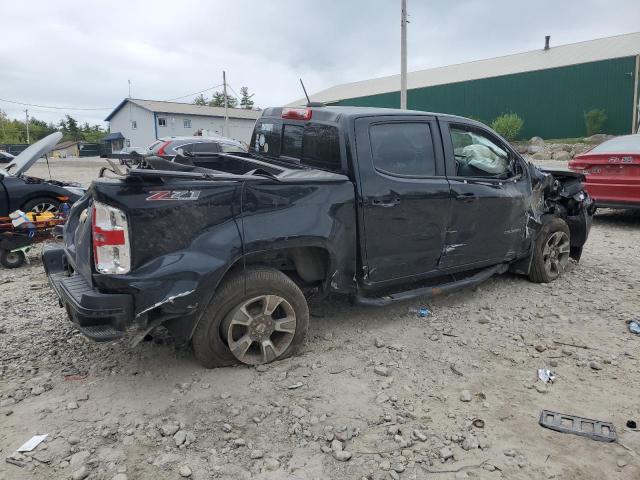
(255, 317)
(10, 259)
(551, 251)
(42, 205)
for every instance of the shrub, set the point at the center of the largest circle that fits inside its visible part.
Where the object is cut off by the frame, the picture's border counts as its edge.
(508, 125)
(594, 121)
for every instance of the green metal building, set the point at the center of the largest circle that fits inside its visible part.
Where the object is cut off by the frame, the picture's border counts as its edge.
(550, 88)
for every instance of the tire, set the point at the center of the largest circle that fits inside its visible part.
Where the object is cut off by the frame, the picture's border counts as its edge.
(552, 247)
(10, 259)
(42, 204)
(268, 337)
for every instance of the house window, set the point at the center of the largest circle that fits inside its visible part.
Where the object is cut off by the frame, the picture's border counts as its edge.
(134, 124)
(162, 122)
(187, 123)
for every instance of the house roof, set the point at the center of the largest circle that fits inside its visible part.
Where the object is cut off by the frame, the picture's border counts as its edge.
(63, 145)
(157, 106)
(563, 55)
(112, 136)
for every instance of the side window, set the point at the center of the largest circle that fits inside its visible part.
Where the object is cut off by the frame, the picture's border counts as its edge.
(477, 155)
(205, 148)
(403, 148)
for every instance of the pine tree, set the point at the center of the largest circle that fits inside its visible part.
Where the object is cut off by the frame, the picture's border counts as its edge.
(246, 100)
(218, 100)
(200, 100)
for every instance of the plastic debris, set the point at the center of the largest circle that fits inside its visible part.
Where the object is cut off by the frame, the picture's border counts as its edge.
(478, 423)
(585, 427)
(634, 327)
(547, 376)
(421, 312)
(32, 443)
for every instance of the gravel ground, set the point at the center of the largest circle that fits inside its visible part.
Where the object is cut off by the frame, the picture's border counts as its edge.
(375, 393)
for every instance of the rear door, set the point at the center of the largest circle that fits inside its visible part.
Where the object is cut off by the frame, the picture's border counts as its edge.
(404, 195)
(490, 190)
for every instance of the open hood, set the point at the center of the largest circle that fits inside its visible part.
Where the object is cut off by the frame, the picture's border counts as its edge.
(30, 155)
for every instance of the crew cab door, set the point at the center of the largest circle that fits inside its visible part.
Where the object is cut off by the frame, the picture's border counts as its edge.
(490, 191)
(403, 195)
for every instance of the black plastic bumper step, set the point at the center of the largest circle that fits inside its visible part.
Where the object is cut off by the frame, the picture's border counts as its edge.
(585, 427)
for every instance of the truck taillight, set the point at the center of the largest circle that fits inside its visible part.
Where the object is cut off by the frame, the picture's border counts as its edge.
(297, 113)
(111, 251)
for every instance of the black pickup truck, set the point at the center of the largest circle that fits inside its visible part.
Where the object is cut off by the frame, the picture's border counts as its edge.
(382, 205)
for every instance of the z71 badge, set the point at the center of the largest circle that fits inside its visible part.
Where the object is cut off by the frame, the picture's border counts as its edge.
(174, 195)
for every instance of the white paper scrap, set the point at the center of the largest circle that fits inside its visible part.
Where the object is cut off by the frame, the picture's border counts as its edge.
(32, 443)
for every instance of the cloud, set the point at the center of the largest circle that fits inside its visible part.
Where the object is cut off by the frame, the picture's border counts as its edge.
(81, 54)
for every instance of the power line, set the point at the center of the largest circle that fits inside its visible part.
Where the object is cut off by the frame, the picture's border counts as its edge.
(232, 89)
(195, 93)
(55, 107)
(52, 107)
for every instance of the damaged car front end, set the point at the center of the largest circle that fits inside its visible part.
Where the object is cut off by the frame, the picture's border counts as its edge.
(557, 194)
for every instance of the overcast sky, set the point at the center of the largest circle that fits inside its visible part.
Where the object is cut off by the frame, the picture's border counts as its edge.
(81, 54)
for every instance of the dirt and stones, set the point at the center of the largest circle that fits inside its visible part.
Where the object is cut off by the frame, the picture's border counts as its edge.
(112, 412)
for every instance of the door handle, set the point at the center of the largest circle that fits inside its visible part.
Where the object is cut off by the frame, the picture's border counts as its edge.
(378, 202)
(466, 197)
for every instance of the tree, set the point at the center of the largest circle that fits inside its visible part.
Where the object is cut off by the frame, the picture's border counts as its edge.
(246, 100)
(594, 121)
(93, 134)
(200, 100)
(508, 125)
(69, 128)
(218, 100)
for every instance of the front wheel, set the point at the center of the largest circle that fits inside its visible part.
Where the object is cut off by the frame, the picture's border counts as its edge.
(11, 259)
(551, 251)
(257, 316)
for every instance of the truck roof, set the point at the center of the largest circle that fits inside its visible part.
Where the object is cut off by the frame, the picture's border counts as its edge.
(336, 113)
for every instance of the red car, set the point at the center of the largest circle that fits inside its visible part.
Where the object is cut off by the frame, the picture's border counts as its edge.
(612, 172)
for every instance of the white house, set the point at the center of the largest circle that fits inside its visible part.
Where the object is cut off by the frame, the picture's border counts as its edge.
(138, 123)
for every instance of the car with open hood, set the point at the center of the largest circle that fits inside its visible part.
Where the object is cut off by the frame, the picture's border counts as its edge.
(18, 191)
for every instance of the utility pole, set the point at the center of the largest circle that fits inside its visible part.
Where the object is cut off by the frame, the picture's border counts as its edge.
(403, 55)
(226, 104)
(129, 88)
(26, 112)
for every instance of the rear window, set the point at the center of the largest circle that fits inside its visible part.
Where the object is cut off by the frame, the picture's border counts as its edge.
(314, 145)
(231, 148)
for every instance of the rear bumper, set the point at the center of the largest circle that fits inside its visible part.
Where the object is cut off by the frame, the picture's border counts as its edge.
(99, 316)
(618, 204)
(614, 192)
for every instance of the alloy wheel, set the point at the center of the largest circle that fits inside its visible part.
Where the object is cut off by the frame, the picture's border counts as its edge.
(44, 207)
(260, 329)
(556, 253)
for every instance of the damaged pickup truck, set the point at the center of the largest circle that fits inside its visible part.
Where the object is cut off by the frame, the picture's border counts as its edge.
(382, 205)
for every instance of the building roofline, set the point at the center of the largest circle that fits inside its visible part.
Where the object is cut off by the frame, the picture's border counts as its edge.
(417, 78)
(135, 100)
